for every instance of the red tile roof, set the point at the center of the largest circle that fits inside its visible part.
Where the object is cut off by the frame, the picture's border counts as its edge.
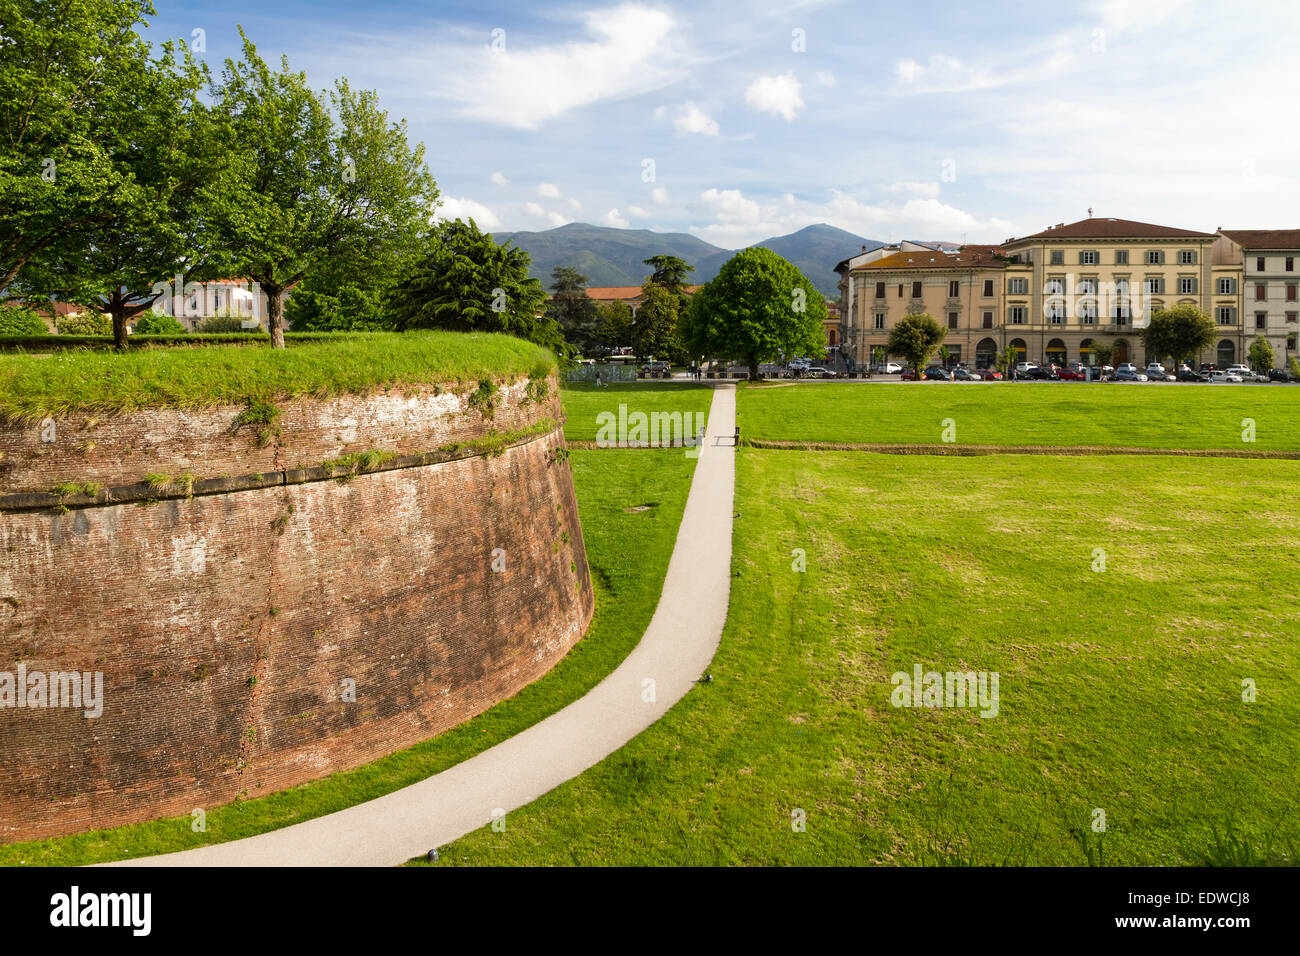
(1099, 228)
(969, 258)
(622, 293)
(1264, 238)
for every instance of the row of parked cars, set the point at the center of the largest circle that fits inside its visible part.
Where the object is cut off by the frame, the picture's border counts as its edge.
(1078, 372)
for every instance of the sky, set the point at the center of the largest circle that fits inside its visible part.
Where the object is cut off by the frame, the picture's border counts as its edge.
(971, 121)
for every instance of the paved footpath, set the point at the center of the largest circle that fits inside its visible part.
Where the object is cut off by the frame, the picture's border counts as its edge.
(678, 645)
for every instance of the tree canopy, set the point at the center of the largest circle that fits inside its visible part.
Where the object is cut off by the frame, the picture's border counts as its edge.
(1181, 332)
(916, 337)
(573, 311)
(758, 308)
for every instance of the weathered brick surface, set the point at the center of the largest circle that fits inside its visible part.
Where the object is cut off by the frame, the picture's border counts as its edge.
(226, 625)
(125, 448)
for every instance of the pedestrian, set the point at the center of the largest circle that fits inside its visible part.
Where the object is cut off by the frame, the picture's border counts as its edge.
(598, 378)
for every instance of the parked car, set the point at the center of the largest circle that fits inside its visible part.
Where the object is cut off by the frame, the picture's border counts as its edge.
(908, 375)
(1034, 373)
(960, 374)
(990, 374)
(1247, 373)
(1126, 367)
(1279, 375)
(1127, 373)
(816, 371)
(1071, 374)
(886, 368)
(1186, 374)
(1221, 375)
(937, 374)
(1206, 368)
(1157, 373)
(656, 367)
(1022, 367)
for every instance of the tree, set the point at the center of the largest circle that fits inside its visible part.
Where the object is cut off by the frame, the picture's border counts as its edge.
(1103, 352)
(347, 296)
(916, 337)
(466, 282)
(669, 272)
(311, 180)
(1261, 355)
(654, 331)
(1180, 332)
(151, 323)
(573, 311)
(1293, 366)
(20, 320)
(615, 329)
(70, 81)
(757, 308)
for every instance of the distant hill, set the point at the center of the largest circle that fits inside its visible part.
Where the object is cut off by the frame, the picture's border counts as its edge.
(609, 256)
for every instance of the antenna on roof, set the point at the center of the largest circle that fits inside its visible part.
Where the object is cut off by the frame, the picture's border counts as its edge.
(1089, 212)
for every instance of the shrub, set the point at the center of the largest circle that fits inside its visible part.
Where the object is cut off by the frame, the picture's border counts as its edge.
(153, 323)
(88, 322)
(224, 321)
(21, 321)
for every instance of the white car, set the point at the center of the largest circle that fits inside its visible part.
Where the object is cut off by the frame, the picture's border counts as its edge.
(892, 368)
(1246, 373)
(1023, 367)
(1220, 375)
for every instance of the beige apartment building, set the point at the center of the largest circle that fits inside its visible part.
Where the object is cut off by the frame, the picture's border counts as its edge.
(1052, 296)
(1270, 267)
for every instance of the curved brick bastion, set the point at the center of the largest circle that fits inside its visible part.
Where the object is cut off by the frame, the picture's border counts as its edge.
(293, 593)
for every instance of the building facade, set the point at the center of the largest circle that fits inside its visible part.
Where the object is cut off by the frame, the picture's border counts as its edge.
(1270, 269)
(1052, 296)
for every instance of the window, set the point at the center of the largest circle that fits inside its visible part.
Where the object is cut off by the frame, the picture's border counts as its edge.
(1186, 286)
(1058, 257)
(1154, 286)
(916, 290)
(952, 320)
(1155, 257)
(1290, 343)
(988, 288)
(988, 320)
(1087, 287)
(1123, 314)
(1292, 317)
(954, 289)
(1290, 292)
(1056, 313)
(880, 290)
(1121, 257)
(1187, 257)
(1226, 315)
(1260, 294)
(1261, 320)
(1227, 287)
(1088, 257)
(1017, 315)
(900, 290)
(1088, 313)
(1018, 286)
(880, 320)
(1259, 264)
(1054, 287)
(1290, 264)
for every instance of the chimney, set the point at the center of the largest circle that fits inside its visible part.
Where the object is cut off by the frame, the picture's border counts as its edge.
(864, 248)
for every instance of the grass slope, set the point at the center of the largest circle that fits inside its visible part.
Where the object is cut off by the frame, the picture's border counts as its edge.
(1050, 413)
(32, 386)
(1120, 690)
(583, 404)
(628, 554)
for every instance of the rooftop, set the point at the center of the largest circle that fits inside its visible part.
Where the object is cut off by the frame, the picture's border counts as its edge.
(1264, 238)
(1108, 228)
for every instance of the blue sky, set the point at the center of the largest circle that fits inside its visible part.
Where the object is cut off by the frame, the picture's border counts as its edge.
(974, 120)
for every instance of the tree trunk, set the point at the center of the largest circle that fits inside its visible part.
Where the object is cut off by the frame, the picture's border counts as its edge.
(119, 327)
(753, 368)
(275, 315)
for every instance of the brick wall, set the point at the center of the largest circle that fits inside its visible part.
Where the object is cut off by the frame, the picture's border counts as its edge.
(226, 626)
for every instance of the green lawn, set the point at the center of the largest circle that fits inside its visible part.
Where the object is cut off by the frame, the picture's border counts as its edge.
(1025, 413)
(32, 386)
(584, 403)
(628, 554)
(1120, 689)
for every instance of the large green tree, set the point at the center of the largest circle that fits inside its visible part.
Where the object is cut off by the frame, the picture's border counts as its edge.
(1181, 332)
(573, 311)
(1261, 355)
(615, 329)
(757, 308)
(467, 282)
(654, 328)
(312, 179)
(916, 337)
(75, 78)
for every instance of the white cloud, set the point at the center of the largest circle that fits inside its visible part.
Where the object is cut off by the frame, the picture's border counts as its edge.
(577, 206)
(499, 179)
(452, 208)
(633, 51)
(730, 206)
(826, 78)
(612, 218)
(659, 194)
(692, 119)
(558, 219)
(548, 191)
(942, 74)
(776, 94)
(638, 212)
(925, 190)
(533, 209)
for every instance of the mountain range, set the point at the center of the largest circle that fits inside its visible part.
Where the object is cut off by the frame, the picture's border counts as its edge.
(608, 256)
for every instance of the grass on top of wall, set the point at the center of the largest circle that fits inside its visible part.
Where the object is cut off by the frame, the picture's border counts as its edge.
(631, 506)
(33, 386)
